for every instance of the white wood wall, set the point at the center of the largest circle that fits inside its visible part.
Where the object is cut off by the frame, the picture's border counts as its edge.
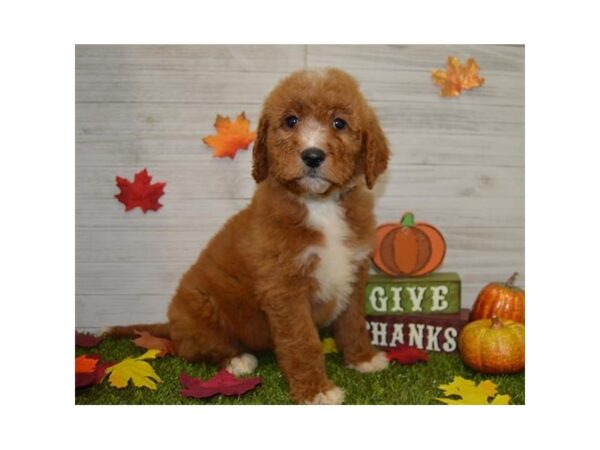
(457, 163)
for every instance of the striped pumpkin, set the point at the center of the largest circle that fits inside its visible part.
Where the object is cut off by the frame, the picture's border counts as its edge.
(503, 300)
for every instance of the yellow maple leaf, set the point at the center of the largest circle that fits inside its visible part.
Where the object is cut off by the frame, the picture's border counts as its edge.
(230, 137)
(329, 346)
(139, 371)
(457, 77)
(472, 394)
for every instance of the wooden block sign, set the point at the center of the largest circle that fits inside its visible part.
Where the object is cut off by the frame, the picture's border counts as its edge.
(430, 332)
(437, 293)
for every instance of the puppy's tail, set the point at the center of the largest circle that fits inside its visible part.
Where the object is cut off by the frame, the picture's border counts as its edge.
(161, 330)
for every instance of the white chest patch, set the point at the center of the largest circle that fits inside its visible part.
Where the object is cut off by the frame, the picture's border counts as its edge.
(338, 261)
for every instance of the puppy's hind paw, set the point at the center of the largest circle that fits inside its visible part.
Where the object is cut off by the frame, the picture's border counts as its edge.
(334, 396)
(375, 364)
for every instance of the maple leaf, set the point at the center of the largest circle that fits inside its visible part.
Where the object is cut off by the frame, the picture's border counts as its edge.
(85, 364)
(405, 354)
(146, 340)
(222, 383)
(457, 77)
(329, 346)
(472, 394)
(230, 137)
(86, 340)
(89, 379)
(139, 371)
(140, 193)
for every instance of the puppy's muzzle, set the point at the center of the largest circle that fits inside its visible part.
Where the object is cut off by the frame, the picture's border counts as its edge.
(313, 157)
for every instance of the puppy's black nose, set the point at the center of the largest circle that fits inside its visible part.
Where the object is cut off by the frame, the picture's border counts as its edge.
(313, 157)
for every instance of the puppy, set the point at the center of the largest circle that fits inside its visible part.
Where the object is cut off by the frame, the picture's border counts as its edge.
(296, 259)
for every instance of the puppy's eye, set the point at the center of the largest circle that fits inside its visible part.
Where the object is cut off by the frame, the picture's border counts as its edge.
(339, 124)
(291, 121)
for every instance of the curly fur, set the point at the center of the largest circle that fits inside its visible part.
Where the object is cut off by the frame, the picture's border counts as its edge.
(296, 258)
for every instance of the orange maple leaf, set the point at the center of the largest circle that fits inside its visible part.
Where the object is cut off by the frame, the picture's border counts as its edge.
(230, 137)
(146, 340)
(457, 77)
(85, 364)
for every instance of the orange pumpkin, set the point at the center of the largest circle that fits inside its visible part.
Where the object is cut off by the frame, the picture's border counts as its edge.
(408, 248)
(503, 300)
(493, 346)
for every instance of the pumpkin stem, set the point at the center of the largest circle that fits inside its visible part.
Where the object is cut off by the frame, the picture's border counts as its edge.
(496, 323)
(511, 280)
(408, 220)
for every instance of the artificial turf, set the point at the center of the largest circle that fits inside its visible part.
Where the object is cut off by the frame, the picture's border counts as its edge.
(398, 385)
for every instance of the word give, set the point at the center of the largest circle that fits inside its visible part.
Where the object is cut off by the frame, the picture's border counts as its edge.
(435, 293)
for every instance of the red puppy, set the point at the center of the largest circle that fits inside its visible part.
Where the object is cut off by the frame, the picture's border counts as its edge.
(296, 259)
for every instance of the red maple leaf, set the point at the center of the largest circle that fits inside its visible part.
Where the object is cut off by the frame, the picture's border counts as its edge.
(86, 340)
(222, 383)
(140, 193)
(405, 354)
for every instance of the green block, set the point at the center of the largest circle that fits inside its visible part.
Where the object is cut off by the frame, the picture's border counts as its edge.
(437, 293)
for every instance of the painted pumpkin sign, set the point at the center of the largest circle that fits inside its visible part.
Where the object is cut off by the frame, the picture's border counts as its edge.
(409, 248)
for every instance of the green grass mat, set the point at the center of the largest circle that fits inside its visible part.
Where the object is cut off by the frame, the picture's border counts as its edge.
(404, 385)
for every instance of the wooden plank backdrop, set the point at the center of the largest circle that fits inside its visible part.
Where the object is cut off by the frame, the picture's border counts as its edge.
(457, 163)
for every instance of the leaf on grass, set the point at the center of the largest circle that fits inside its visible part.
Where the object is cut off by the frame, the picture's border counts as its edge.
(86, 340)
(230, 137)
(222, 383)
(86, 364)
(146, 340)
(471, 394)
(329, 346)
(83, 380)
(457, 77)
(405, 354)
(135, 369)
(141, 193)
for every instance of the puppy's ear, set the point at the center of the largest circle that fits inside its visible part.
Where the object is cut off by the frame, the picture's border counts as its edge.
(260, 162)
(375, 150)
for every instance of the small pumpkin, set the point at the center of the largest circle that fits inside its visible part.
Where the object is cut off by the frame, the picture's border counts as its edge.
(504, 300)
(408, 248)
(493, 346)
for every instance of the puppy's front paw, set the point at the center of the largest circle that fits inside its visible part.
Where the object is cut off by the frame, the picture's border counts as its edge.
(378, 362)
(334, 396)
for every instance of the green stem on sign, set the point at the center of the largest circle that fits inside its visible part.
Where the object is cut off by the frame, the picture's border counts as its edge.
(408, 220)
